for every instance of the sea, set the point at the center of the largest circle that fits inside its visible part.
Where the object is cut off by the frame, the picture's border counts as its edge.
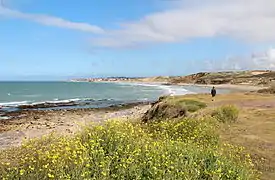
(14, 95)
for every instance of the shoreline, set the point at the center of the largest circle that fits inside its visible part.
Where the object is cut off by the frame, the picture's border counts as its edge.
(6, 116)
(89, 103)
(29, 124)
(242, 87)
(73, 102)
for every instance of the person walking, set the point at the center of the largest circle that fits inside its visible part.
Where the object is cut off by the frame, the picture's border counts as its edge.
(213, 93)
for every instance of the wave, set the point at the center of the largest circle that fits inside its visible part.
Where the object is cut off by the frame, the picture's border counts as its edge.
(159, 88)
(171, 90)
(56, 103)
(13, 104)
(31, 95)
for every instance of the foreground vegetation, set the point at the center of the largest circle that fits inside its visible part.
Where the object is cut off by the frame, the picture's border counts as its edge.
(181, 148)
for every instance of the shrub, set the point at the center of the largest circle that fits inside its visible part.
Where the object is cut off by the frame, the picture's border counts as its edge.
(176, 149)
(198, 131)
(269, 90)
(226, 114)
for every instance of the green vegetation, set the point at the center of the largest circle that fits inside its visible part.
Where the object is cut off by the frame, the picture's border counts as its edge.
(230, 77)
(170, 107)
(182, 148)
(226, 114)
(189, 104)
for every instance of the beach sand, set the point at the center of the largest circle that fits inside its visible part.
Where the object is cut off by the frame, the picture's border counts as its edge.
(34, 124)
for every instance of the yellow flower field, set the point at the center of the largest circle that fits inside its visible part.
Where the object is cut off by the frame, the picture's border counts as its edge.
(177, 149)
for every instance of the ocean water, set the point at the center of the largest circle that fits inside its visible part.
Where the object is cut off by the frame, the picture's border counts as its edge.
(93, 94)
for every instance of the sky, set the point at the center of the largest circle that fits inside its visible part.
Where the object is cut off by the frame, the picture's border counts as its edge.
(50, 39)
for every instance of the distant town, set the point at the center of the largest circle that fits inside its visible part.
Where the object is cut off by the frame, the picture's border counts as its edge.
(107, 79)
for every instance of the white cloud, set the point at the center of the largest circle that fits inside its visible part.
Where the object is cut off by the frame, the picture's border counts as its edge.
(50, 20)
(248, 20)
(258, 61)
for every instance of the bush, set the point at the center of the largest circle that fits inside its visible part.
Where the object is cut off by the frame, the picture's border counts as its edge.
(198, 131)
(176, 149)
(269, 90)
(226, 114)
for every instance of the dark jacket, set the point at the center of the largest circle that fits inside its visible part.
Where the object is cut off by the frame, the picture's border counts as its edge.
(213, 92)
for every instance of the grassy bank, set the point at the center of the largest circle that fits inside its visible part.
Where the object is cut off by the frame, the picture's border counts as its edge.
(176, 148)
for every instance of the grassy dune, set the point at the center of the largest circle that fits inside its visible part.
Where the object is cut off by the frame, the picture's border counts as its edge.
(214, 142)
(254, 128)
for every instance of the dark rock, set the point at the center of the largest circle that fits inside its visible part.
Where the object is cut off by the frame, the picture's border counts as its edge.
(47, 105)
(167, 84)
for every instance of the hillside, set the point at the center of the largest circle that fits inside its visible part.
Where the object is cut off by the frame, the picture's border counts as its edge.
(253, 78)
(256, 78)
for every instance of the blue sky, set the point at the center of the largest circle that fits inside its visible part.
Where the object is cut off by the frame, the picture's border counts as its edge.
(50, 39)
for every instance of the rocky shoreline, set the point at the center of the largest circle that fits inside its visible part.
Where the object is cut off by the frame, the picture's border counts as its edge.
(70, 105)
(28, 124)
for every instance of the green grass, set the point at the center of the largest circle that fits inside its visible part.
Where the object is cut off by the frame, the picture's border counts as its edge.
(182, 148)
(189, 104)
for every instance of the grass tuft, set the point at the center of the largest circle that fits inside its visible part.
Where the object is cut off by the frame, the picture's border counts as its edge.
(226, 114)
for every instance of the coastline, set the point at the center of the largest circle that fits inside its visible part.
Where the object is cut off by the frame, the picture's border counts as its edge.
(241, 87)
(6, 114)
(33, 123)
